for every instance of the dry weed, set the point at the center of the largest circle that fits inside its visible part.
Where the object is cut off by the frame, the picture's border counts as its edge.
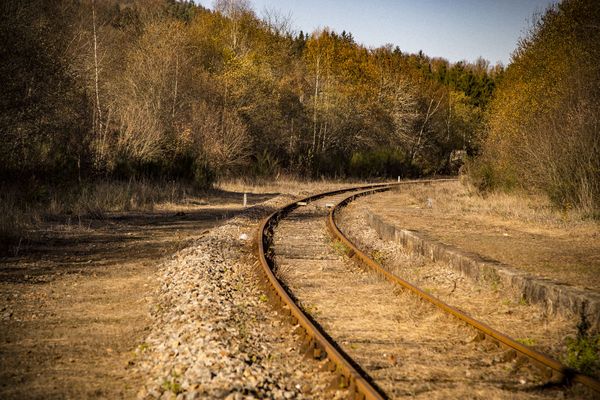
(283, 184)
(23, 207)
(453, 197)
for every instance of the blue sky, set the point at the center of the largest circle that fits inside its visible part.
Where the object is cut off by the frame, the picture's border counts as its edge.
(453, 29)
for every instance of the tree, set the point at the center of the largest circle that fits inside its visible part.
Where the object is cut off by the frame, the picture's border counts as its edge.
(167, 88)
(543, 126)
(236, 11)
(43, 107)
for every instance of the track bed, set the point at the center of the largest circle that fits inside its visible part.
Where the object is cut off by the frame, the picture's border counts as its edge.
(406, 346)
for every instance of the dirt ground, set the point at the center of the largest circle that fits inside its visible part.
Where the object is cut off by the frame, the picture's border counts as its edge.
(75, 298)
(522, 231)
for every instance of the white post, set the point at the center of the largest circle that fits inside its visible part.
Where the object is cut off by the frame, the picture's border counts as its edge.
(245, 199)
(398, 179)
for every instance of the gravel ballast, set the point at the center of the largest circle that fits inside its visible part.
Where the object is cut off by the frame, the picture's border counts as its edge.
(215, 334)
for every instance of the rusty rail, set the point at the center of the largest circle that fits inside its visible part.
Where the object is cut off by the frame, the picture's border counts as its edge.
(359, 386)
(565, 373)
(358, 383)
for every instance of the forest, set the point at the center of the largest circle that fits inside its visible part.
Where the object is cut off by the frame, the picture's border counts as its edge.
(170, 89)
(165, 90)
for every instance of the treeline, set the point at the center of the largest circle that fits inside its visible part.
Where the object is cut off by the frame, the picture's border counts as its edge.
(169, 89)
(544, 120)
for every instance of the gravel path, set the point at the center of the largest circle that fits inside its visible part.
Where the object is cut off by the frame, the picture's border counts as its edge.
(215, 335)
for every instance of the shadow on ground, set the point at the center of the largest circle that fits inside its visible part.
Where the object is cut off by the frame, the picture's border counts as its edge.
(66, 244)
(75, 297)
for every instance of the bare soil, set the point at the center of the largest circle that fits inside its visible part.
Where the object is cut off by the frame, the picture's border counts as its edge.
(522, 231)
(75, 298)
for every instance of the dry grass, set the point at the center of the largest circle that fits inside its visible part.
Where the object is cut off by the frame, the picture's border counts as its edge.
(408, 347)
(23, 208)
(490, 301)
(284, 184)
(518, 207)
(15, 217)
(522, 230)
(127, 196)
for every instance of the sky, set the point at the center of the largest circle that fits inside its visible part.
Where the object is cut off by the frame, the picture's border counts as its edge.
(453, 29)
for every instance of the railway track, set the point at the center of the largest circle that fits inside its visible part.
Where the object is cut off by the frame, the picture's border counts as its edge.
(383, 341)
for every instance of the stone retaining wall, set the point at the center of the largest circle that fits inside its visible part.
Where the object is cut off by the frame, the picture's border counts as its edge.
(557, 297)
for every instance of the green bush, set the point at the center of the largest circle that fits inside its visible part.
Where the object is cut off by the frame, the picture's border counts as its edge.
(480, 174)
(582, 354)
(332, 164)
(265, 165)
(583, 351)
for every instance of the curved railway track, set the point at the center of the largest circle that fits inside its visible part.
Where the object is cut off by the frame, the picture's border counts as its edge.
(295, 253)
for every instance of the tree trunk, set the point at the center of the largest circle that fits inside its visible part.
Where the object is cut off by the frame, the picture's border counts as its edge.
(96, 78)
(428, 115)
(175, 89)
(315, 98)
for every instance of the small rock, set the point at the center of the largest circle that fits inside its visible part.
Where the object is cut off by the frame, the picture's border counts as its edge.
(210, 336)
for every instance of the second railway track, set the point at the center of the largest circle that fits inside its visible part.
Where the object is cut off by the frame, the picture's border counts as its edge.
(385, 342)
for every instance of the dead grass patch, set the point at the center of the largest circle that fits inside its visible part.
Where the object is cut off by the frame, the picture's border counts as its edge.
(491, 302)
(515, 207)
(522, 230)
(285, 184)
(406, 345)
(23, 208)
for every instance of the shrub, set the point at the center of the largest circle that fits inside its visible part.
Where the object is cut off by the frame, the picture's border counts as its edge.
(265, 165)
(204, 176)
(583, 351)
(543, 121)
(380, 162)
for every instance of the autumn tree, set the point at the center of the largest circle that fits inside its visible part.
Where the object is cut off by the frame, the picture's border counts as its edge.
(165, 88)
(543, 128)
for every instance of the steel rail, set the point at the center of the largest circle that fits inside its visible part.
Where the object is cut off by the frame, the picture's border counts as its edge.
(319, 342)
(567, 374)
(360, 387)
